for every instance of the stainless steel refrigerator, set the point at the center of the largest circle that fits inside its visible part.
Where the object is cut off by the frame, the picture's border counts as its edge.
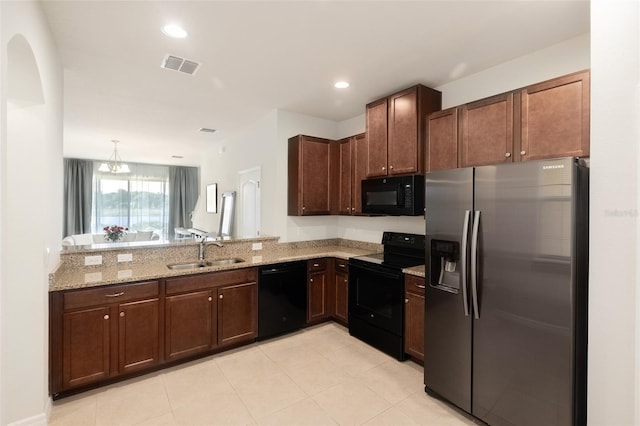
(505, 304)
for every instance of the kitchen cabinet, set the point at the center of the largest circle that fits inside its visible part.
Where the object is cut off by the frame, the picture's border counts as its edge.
(350, 172)
(210, 310)
(487, 131)
(544, 120)
(442, 140)
(341, 291)
(555, 118)
(414, 317)
(310, 175)
(318, 274)
(103, 332)
(395, 129)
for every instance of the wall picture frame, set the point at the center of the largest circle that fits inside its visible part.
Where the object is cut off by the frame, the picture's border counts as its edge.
(212, 198)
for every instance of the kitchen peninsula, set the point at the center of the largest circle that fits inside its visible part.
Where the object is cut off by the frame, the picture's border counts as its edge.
(132, 314)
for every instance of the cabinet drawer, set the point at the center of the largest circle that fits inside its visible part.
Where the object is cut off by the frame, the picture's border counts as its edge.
(342, 265)
(317, 265)
(414, 284)
(109, 294)
(210, 280)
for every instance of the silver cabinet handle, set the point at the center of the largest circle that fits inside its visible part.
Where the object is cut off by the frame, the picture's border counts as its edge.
(463, 262)
(221, 296)
(420, 286)
(384, 168)
(311, 280)
(121, 314)
(523, 152)
(507, 154)
(315, 265)
(210, 298)
(341, 265)
(115, 294)
(474, 264)
(106, 317)
(390, 167)
(406, 300)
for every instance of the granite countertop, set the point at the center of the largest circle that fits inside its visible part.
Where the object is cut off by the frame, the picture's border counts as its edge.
(68, 277)
(418, 271)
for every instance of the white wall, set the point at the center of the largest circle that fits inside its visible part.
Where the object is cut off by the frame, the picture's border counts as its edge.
(614, 291)
(553, 61)
(31, 178)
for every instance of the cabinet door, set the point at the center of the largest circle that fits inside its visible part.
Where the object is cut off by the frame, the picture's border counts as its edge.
(377, 138)
(414, 325)
(344, 176)
(442, 140)
(487, 131)
(403, 140)
(341, 302)
(237, 313)
(317, 308)
(138, 337)
(315, 176)
(188, 324)
(86, 347)
(555, 118)
(358, 170)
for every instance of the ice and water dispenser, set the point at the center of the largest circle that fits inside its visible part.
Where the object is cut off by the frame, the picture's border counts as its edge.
(445, 265)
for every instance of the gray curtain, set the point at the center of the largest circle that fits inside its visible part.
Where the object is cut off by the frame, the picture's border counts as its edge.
(78, 178)
(184, 189)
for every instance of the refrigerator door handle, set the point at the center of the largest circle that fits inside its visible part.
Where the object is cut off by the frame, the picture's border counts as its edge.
(474, 264)
(463, 262)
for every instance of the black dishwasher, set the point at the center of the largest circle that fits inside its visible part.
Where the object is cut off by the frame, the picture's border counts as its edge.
(282, 298)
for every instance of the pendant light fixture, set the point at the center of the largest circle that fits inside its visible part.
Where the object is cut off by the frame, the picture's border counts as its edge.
(114, 164)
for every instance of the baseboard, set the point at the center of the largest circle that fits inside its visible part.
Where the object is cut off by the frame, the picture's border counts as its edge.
(37, 420)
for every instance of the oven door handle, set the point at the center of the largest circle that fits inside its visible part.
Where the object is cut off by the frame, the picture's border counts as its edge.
(463, 262)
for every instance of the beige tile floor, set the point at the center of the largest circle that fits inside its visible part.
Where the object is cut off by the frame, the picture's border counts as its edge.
(318, 376)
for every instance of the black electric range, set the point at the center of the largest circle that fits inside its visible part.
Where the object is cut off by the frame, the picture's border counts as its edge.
(376, 291)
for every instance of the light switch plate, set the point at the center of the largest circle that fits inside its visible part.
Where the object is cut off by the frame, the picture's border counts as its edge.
(92, 260)
(125, 257)
(256, 246)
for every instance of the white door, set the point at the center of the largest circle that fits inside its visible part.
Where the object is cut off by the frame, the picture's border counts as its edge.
(249, 203)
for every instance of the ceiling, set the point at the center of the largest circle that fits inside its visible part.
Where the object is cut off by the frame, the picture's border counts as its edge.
(257, 56)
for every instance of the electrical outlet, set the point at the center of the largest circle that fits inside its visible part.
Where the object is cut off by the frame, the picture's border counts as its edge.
(92, 260)
(125, 273)
(256, 246)
(125, 257)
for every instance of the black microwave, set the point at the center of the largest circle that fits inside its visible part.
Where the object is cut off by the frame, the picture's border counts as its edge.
(394, 196)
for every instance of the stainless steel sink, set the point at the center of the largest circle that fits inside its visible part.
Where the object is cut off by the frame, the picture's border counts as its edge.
(205, 263)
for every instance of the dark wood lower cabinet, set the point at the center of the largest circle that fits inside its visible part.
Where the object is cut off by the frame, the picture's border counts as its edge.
(104, 333)
(237, 313)
(86, 347)
(138, 335)
(317, 308)
(341, 299)
(414, 317)
(189, 324)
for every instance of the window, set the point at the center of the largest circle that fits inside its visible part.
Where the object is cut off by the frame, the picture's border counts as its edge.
(138, 200)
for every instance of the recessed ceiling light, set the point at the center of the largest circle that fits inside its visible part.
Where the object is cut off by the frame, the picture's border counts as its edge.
(341, 85)
(174, 31)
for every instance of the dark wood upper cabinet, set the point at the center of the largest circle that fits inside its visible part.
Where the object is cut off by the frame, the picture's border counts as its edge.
(376, 117)
(545, 120)
(351, 159)
(555, 118)
(309, 176)
(487, 131)
(442, 140)
(396, 137)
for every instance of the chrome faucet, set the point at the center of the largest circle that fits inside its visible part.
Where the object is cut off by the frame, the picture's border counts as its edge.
(203, 246)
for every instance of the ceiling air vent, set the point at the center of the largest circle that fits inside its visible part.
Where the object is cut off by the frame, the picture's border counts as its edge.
(207, 130)
(180, 64)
